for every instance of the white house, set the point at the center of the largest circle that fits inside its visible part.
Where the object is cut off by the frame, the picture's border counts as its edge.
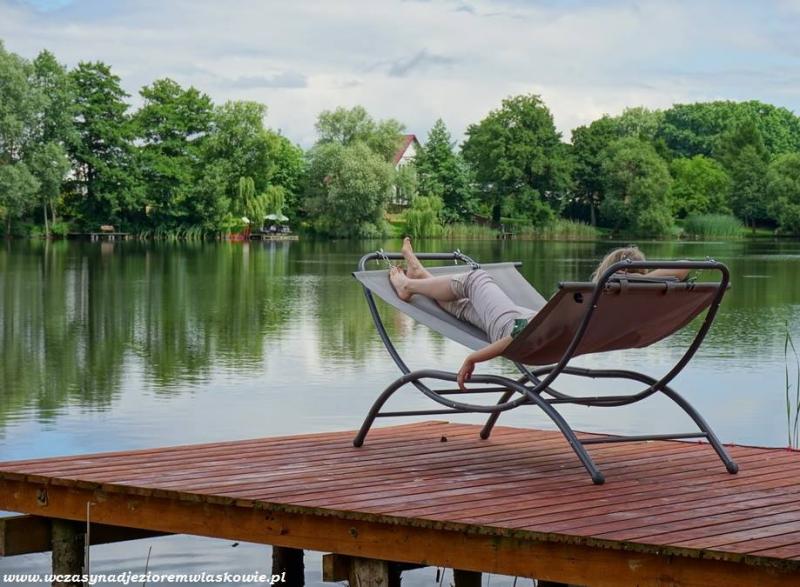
(403, 156)
(406, 152)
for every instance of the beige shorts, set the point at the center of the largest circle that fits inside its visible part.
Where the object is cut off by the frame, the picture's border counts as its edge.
(482, 303)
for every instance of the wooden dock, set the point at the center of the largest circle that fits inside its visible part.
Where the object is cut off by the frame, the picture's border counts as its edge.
(260, 236)
(109, 236)
(434, 493)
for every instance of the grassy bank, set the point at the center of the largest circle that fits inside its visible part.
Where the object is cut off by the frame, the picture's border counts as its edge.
(715, 226)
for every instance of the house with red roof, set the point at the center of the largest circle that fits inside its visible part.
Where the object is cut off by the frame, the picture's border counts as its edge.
(406, 151)
(403, 156)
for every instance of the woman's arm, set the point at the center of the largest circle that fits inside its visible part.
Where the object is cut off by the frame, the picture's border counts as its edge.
(488, 352)
(679, 273)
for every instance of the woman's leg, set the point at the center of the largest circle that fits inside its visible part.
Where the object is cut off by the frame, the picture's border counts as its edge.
(436, 288)
(416, 270)
(414, 267)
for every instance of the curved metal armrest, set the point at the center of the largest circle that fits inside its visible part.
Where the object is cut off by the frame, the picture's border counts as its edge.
(600, 287)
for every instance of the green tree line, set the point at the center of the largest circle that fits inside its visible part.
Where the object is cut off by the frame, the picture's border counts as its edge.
(74, 155)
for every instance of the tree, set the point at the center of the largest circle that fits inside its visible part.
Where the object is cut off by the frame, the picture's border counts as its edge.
(588, 146)
(348, 188)
(349, 126)
(20, 105)
(637, 184)
(516, 152)
(741, 150)
(249, 204)
(171, 126)
(54, 133)
(639, 122)
(424, 217)
(443, 173)
(696, 129)
(106, 187)
(237, 146)
(286, 174)
(783, 191)
(52, 80)
(700, 186)
(49, 165)
(18, 188)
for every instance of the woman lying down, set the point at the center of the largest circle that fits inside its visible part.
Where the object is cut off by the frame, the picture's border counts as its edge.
(474, 297)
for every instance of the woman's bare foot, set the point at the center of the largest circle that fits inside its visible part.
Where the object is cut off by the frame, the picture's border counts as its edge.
(415, 268)
(400, 283)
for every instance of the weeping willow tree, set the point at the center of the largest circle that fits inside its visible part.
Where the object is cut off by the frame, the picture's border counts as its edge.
(249, 205)
(274, 199)
(424, 217)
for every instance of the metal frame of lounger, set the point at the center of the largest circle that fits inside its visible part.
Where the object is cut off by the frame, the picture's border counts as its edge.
(536, 383)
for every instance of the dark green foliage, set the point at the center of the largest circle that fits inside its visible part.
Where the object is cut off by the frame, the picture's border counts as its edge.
(443, 173)
(637, 184)
(348, 188)
(518, 158)
(700, 186)
(783, 191)
(349, 126)
(741, 150)
(696, 129)
(72, 157)
(171, 126)
(424, 217)
(107, 187)
(18, 189)
(588, 149)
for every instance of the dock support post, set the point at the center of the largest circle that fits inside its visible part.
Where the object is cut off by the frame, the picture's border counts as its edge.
(289, 561)
(339, 567)
(466, 578)
(369, 572)
(68, 550)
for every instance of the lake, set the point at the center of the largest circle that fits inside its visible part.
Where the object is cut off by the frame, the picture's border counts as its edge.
(112, 346)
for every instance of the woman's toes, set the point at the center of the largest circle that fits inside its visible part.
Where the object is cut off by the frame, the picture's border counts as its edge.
(399, 279)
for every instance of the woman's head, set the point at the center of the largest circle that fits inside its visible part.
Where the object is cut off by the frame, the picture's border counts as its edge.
(631, 253)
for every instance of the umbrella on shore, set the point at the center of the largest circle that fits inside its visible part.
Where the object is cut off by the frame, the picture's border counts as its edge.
(278, 217)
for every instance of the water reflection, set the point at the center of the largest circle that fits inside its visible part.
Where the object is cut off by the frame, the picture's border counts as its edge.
(80, 322)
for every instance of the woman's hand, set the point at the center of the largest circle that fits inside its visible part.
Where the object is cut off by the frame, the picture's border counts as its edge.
(465, 373)
(488, 352)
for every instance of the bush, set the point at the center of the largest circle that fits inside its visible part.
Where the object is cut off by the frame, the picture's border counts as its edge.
(560, 229)
(59, 229)
(424, 217)
(461, 231)
(712, 226)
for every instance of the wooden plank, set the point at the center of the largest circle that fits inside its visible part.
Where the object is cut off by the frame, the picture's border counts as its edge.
(24, 535)
(522, 554)
(31, 534)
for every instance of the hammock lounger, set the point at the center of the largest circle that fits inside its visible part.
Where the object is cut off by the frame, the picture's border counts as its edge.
(615, 313)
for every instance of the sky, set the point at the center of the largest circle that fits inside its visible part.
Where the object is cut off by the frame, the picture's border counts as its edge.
(417, 60)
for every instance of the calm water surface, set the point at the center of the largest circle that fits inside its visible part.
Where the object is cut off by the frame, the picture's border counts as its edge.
(119, 346)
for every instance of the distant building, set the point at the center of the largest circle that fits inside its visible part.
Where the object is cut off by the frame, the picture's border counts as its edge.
(403, 156)
(406, 152)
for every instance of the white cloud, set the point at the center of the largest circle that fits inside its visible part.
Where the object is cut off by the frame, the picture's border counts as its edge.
(417, 61)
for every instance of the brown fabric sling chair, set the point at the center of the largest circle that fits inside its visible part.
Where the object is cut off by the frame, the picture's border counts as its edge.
(620, 311)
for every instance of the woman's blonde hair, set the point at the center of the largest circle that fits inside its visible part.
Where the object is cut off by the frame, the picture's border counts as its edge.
(631, 253)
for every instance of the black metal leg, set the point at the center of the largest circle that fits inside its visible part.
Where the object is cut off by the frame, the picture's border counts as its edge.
(376, 408)
(569, 434)
(486, 431)
(729, 463)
